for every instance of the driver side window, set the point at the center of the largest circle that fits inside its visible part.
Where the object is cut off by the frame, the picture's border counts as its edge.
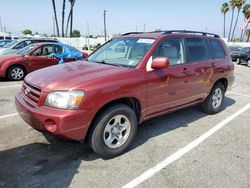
(172, 48)
(43, 51)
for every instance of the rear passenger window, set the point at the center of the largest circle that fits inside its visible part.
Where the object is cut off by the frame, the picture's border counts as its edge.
(217, 49)
(197, 49)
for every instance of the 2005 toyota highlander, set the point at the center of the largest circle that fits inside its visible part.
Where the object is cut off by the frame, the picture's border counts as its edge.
(130, 79)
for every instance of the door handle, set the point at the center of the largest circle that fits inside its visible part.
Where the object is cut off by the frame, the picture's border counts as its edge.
(186, 71)
(213, 65)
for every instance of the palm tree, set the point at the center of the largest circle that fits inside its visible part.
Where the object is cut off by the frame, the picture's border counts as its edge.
(239, 5)
(246, 13)
(70, 17)
(248, 34)
(224, 9)
(232, 5)
(63, 15)
(55, 16)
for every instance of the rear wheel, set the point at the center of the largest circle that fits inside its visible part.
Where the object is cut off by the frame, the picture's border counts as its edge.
(214, 101)
(238, 61)
(16, 73)
(113, 131)
(248, 63)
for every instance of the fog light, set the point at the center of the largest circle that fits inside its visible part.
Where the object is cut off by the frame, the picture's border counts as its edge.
(50, 125)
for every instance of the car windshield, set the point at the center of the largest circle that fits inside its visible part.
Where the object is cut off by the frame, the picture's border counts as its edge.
(25, 50)
(126, 52)
(14, 42)
(234, 48)
(244, 50)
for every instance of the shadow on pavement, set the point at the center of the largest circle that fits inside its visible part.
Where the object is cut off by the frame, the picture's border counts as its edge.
(46, 165)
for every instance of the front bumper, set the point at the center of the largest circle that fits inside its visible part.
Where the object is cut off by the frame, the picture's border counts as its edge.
(70, 124)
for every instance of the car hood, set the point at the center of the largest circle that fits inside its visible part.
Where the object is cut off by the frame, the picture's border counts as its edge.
(13, 57)
(69, 75)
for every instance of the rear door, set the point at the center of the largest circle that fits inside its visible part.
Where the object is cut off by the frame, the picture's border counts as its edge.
(171, 87)
(40, 58)
(200, 65)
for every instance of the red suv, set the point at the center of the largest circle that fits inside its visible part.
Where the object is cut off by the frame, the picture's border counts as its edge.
(128, 80)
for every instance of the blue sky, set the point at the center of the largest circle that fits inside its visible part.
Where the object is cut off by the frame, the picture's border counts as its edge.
(122, 16)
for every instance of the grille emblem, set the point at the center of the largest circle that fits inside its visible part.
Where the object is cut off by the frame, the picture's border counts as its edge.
(26, 91)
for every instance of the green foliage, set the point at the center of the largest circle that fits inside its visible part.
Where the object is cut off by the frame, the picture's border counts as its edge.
(27, 32)
(246, 10)
(76, 33)
(224, 8)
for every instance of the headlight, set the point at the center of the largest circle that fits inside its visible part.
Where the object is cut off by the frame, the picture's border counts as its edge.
(65, 99)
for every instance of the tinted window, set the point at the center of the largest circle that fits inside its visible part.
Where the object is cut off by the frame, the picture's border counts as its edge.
(171, 48)
(58, 49)
(197, 49)
(20, 45)
(43, 51)
(217, 49)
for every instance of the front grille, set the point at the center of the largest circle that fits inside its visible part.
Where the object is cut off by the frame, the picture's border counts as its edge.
(31, 93)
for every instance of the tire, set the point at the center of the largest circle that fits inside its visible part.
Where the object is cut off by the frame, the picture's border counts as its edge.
(109, 125)
(214, 101)
(238, 62)
(16, 73)
(248, 63)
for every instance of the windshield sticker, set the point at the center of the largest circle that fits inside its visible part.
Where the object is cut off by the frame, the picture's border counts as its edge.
(146, 41)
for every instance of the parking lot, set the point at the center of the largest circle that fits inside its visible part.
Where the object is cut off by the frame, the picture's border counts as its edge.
(186, 148)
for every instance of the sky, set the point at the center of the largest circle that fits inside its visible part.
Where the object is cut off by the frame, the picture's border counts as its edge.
(122, 16)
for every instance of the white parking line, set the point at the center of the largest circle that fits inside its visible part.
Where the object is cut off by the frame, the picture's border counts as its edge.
(240, 94)
(17, 85)
(10, 115)
(178, 154)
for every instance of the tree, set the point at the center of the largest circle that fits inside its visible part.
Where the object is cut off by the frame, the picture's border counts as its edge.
(63, 15)
(76, 34)
(246, 13)
(27, 32)
(239, 4)
(55, 17)
(232, 5)
(70, 17)
(248, 34)
(224, 9)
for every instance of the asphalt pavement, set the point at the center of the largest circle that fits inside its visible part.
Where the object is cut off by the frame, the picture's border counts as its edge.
(169, 151)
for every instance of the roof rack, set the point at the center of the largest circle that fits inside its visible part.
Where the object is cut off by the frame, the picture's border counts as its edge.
(176, 31)
(131, 33)
(194, 32)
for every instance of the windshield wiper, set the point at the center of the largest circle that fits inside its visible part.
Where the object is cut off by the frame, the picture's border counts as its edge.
(105, 63)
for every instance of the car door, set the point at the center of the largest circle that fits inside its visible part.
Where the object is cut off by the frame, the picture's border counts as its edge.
(201, 65)
(40, 58)
(170, 87)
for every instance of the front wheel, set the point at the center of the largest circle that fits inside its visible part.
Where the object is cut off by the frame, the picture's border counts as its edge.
(16, 73)
(113, 131)
(214, 101)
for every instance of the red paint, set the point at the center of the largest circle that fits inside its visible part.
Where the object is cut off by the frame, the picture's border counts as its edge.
(29, 62)
(158, 91)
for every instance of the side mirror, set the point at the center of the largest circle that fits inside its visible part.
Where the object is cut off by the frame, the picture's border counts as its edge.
(26, 56)
(160, 63)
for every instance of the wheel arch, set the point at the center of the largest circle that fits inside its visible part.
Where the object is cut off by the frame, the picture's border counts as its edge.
(132, 102)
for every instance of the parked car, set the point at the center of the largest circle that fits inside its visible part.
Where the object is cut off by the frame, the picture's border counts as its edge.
(244, 56)
(16, 45)
(34, 57)
(104, 99)
(234, 52)
(4, 42)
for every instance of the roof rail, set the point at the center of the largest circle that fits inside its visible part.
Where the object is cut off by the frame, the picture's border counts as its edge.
(131, 33)
(186, 31)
